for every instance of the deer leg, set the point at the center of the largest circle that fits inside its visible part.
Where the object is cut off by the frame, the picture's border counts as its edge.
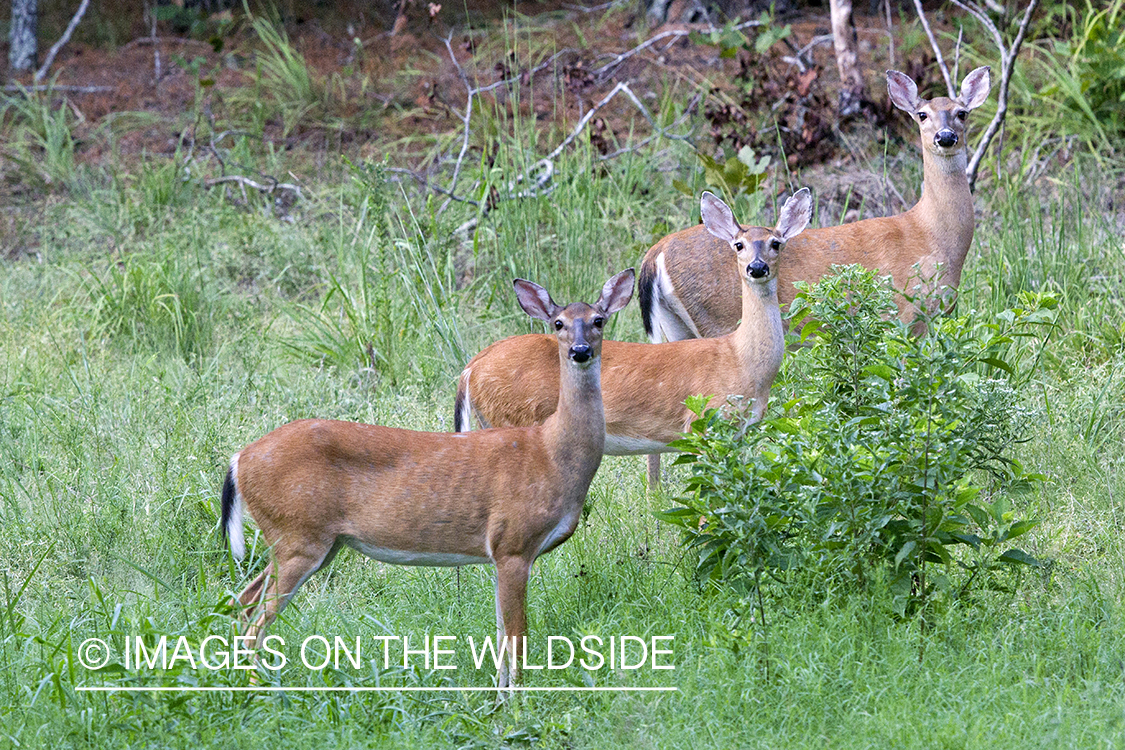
(292, 570)
(511, 607)
(251, 595)
(653, 471)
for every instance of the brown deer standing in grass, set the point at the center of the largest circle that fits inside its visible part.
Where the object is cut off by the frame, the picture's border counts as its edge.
(687, 288)
(515, 381)
(500, 496)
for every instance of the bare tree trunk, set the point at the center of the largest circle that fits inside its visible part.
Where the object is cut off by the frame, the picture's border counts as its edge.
(847, 57)
(23, 37)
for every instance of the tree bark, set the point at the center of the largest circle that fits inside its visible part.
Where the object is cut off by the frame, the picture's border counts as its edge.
(23, 53)
(847, 57)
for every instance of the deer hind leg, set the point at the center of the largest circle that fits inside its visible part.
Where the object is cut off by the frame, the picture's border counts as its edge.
(653, 471)
(291, 567)
(251, 596)
(511, 615)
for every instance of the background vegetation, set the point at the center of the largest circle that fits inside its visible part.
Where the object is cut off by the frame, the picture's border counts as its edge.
(154, 319)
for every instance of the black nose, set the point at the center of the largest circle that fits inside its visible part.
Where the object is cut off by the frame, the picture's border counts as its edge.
(945, 138)
(758, 269)
(580, 353)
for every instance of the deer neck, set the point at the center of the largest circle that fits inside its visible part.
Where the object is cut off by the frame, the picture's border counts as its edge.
(760, 337)
(946, 205)
(575, 433)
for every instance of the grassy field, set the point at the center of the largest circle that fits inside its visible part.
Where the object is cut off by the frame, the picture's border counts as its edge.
(160, 327)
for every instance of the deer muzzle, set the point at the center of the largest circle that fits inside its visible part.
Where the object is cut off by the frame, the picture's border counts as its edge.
(758, 269)
(581, 353)
(945, 138)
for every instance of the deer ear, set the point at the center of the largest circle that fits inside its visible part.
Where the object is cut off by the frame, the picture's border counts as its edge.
(795, 214)
(903, 91)
(617, 292)
(535, 301)
(718, 218)
(974, 89)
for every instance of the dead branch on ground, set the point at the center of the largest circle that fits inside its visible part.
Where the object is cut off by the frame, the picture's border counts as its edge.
(674, 34)
(15, 88)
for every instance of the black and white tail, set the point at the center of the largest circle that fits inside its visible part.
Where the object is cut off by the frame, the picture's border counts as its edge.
(646, 296)
(462, 405)
(230, 524)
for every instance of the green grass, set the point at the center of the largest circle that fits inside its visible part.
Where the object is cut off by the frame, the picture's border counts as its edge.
(166, 328)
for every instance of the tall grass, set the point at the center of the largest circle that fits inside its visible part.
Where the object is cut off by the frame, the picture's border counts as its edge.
(42, 143)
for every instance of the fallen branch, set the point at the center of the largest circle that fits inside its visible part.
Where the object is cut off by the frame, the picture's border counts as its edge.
(143, 40)
(15, 88)
(465, 119)
(673, 34)
(688, 111)
(592, 8)
(247, 182)
(471, 93)
(62, 41)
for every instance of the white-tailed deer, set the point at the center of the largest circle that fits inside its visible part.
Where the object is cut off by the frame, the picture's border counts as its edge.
(686, 287)
(423, 498)
(644, 386)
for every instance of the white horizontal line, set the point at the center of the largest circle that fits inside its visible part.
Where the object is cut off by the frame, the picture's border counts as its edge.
(404, 689)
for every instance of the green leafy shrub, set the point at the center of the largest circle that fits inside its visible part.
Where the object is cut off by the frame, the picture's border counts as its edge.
(895, 460)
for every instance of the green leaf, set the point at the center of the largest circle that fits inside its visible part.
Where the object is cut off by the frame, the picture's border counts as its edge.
(970, 539)
(1019, 557)
(906, 550)
(881, 370)
(998, 363)
(747, 157)
(1020, 528)
(684, 188)
(979, 515)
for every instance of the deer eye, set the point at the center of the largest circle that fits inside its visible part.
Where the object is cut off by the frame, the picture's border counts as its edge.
(775, 244)
(922, 116)
(962, 115)
(558, 325)
(738, 247)
(599, 322)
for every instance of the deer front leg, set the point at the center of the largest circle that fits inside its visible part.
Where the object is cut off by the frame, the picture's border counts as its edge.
(511, 615)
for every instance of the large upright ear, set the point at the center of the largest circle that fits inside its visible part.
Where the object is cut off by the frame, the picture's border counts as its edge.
(617, 292)
(974, 89)
(795, 214)
(718, 218)
(535, 301)
(903, 91)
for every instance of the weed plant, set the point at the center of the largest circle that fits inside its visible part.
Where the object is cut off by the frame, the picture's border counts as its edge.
(897, 451)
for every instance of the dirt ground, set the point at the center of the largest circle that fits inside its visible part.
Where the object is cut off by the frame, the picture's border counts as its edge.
(411, 77)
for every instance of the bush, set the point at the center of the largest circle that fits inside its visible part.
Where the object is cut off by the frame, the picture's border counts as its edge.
(895, 461)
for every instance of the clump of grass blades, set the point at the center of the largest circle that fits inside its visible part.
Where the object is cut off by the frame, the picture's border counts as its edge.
(300, 96)
(157, 300)
(389, 307)
(41, 141)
